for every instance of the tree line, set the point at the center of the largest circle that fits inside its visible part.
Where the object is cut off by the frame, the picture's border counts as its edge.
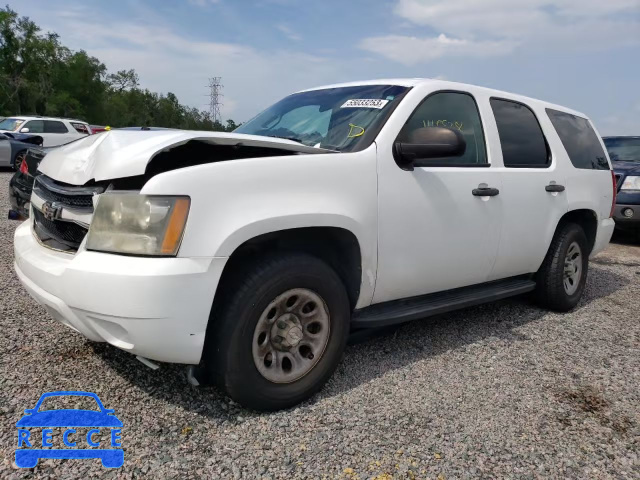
(40, 76)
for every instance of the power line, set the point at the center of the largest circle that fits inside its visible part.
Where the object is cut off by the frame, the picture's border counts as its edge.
(215, 89)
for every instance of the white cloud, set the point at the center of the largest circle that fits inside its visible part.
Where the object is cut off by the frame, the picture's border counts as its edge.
(413, 50)
(492, 27)
(203, 3)
(288, 32)
(168, 61)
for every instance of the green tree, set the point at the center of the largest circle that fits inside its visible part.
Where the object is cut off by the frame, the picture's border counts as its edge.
(38, 75)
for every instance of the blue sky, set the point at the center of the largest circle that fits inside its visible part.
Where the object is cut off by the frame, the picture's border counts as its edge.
(579, 53)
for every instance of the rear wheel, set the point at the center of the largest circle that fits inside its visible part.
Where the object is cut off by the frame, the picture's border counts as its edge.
(563, 274)
(280, 332)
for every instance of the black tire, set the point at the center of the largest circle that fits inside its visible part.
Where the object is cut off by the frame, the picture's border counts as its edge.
(550, 289)
(228, 357)
(19, 158)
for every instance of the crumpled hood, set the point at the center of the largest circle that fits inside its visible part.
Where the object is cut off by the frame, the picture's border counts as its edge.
(626, 168)
(126, 153)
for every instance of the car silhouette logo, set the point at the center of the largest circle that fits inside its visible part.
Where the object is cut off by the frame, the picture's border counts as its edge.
(27, 453)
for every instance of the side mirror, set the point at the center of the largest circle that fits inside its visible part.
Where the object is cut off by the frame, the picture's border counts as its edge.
(427, 143)
(24, 130)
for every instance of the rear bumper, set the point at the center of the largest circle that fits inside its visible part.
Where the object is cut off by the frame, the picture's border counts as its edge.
(603, 235)
(623, 220)
(157, 308)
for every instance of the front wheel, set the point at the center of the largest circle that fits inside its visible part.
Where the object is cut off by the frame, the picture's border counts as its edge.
(280, 333)
(563, 274)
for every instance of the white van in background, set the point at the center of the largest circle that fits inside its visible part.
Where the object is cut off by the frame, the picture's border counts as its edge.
(54, 131)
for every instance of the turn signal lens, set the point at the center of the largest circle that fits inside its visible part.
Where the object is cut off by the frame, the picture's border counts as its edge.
(178, 218)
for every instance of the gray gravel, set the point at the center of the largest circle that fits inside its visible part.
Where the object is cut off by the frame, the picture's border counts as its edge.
(499, 391)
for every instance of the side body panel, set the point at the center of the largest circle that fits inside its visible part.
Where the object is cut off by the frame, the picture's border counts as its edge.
(5, 152)
(433, 233)
(232, 202)
(531, 214)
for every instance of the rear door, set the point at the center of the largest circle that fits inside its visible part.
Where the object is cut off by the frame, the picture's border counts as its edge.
(434, 231)
(534, 187)
(57, 133)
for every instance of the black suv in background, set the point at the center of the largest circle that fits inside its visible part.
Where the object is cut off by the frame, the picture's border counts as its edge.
(625, 158)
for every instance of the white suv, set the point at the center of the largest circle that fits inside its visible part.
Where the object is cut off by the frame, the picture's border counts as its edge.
(54, 131)
(254, 254)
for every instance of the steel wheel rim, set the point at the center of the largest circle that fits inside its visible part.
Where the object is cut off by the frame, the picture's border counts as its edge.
(291, 335)
(21, 157)
(572, 268)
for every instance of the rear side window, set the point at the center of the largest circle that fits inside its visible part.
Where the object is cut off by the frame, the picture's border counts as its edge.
(579, 140)
(522, 140)
(52, 126)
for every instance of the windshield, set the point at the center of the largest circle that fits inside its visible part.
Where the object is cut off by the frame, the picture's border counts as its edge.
(623, 149)
(11, 124)
(345, 119)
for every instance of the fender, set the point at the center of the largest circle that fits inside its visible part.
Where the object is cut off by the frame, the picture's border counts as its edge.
(235, 201)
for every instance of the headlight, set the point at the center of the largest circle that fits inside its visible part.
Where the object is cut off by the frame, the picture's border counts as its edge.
(138, 224)
(631, 183)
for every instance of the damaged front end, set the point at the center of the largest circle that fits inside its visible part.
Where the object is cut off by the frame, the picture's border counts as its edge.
(65, 193)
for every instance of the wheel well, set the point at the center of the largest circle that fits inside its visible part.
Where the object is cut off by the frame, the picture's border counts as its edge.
(18, 153)
(587, 219)
(336, 246)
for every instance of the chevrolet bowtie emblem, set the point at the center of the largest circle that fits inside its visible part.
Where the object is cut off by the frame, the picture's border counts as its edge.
(51, 211)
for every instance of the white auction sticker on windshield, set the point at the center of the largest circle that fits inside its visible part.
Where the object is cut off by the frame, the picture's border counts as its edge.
(365, 103)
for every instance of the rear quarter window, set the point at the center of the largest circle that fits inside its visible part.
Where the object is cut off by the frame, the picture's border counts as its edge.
(580, 140)
(53, 126)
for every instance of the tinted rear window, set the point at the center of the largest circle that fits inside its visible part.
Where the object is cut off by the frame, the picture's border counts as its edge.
(579, 140)
(523, 144)
(52, 126)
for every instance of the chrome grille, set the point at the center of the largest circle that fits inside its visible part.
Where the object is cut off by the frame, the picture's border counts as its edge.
(57, 234)
(61, 213)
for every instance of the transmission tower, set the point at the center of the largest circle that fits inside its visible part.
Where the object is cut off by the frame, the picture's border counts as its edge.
(215, 87)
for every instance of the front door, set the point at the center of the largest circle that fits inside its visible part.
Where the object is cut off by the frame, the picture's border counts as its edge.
(436, 229)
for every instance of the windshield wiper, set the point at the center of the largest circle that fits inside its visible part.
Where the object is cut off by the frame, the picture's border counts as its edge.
(293, 139)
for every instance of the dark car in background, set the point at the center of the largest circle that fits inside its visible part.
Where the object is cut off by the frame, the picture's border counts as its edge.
(624, 152)
(21, 183)
(14, 146)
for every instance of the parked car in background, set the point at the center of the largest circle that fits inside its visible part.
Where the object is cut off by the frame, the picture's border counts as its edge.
(254, 253)
(98, 129)
(14, 146)
(54, 131)
(21, 183)
(624, 152)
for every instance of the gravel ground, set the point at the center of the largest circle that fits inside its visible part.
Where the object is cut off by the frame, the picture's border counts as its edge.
(499, 391)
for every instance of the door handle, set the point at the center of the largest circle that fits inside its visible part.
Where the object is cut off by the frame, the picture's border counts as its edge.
(553, 187)
(485, 192)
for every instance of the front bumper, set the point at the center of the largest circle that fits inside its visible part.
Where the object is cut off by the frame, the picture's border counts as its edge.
(157, 308)
(625, 221)
(19, 195)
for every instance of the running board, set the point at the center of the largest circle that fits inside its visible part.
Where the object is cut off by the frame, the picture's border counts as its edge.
(407, 309)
